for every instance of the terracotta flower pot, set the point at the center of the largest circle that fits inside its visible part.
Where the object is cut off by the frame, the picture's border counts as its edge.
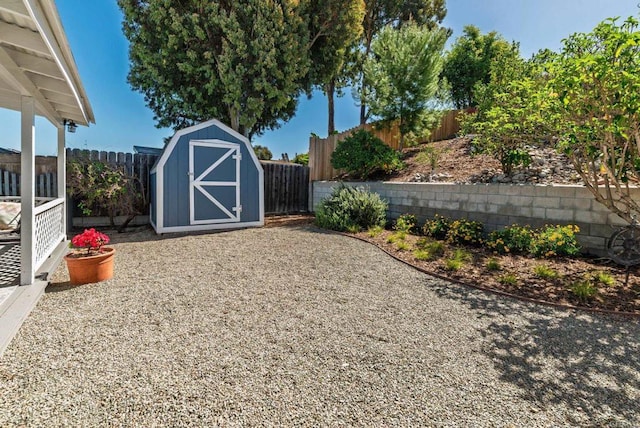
(90, 269)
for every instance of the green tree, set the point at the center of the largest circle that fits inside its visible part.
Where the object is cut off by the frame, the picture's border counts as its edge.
(469, 63)
(362, 154)
(262, 152)
(592, 102)
(403, 75)
(508, 116)
(242, 62)
(301, 158)
(334, 27)
(378, 15)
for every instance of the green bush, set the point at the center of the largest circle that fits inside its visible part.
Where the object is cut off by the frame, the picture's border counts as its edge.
(508, 279)
(406, 223)
(551, 241)
(493, 265)
(396, 236)
(429, 250)
(348, 208)
(545, 272)
(584, 290)
(465, 232)
(512, 239)
(374, 231)
(301, 158)
(437, 228)
(362, 154)
(604, 278)
(457, 260)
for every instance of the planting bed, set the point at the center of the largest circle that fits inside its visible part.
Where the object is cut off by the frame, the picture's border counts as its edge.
(579, 282)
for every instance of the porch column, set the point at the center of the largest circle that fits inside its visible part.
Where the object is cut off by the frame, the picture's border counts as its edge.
(27, 191)
(62, 176)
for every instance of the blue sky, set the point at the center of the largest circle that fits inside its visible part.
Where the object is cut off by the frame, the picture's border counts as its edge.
(122, 119)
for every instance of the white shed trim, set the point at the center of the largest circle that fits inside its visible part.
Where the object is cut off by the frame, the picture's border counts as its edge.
(174, 140)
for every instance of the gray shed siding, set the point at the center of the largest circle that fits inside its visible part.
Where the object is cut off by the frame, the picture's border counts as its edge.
(176, 179)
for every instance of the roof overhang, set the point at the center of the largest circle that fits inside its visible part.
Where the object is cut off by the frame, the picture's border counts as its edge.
(36, 61)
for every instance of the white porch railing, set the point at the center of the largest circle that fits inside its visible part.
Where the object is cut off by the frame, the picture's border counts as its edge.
(48, 229)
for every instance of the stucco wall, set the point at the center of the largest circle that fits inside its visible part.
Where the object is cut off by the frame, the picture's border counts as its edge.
(496, 205)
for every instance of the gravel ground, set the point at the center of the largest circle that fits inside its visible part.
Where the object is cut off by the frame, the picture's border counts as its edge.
(294, 326)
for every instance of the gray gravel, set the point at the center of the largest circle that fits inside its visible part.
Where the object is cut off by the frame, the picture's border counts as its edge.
(293, 326)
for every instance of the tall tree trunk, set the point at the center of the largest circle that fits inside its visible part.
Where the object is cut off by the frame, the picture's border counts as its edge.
(363, 110)
(330, 89)
(234, 118)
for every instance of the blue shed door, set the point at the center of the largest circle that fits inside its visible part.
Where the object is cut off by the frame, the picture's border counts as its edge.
(214, 182)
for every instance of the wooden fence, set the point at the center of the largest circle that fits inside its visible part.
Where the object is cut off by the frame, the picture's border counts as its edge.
(320, 149)
(135, 165)
(46, 184)
(286, 187)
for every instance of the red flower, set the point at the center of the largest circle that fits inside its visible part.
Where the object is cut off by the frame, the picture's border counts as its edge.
(90, 239)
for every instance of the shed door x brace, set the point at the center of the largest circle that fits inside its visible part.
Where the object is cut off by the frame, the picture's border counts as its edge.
(214, 182)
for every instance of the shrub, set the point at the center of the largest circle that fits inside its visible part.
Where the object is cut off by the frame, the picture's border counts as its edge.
(362, 154)
(508, 279)
(604, 278)
(402, 246)
(353, 228)
(465, 232)
(584, 290)
(423, 242)
(422, 255)
(512, 239)
(453, 264)
(457, 260)
(429, 250)
(545, 272)
(437, 228)
(396, 236)
(104, 188)
(557, 240)
(493, 264)
(406, 223)
(301, 158)
(347, 207)
(374, 231)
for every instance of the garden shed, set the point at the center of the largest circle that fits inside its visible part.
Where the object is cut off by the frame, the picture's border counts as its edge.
(207, 177)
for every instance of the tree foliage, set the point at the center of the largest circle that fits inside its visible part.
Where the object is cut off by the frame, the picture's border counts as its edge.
(403, 75)
(262, 152)
(381, 13)
(335, 26)
(507, 119)
(362, 154)
(593, 106)
(242, 61)
(469, 63)
(301, 159)
(586, 99)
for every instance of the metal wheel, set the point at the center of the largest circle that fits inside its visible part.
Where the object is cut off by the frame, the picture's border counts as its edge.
(624, 246)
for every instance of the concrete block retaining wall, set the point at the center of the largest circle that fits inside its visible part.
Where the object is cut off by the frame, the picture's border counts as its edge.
(496, 205)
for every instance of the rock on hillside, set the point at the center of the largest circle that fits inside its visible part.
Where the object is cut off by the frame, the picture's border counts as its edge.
(458, 164)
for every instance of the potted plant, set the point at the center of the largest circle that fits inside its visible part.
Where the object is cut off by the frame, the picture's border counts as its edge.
(91, 261)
